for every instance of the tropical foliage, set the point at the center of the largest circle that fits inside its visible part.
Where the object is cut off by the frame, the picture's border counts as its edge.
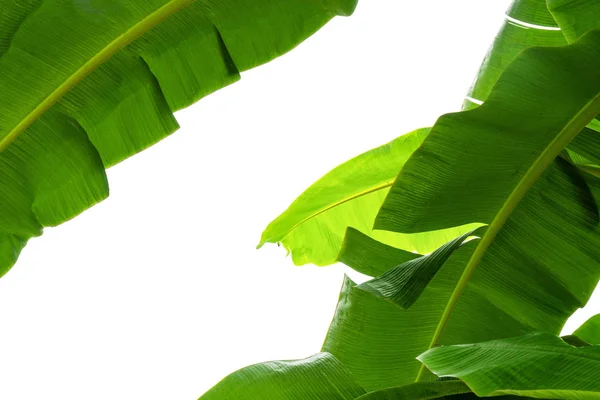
(521, 163)
(86, 84)
(481, 233)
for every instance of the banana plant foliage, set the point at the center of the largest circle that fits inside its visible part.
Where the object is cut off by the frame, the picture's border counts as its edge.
(520, 160)
(86, 84)
(481, 233)
(538, 366)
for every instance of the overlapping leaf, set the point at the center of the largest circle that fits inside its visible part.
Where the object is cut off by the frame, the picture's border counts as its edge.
(496, 165)
(528, 23)
(421, 391)
(403, 284)
(313, 227)
(590, 330)
(87, 84)
(538, 366)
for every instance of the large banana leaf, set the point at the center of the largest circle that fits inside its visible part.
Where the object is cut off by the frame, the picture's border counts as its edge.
(575, 17)
(528, 23)
(590, 330)
(87, 84)
(350, 195)
(495, 165)
(320, 377)
(313, 226)
(538, 366)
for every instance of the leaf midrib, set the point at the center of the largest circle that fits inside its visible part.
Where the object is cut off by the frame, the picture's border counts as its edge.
(362, 193)
(568, 133)
(94, 63)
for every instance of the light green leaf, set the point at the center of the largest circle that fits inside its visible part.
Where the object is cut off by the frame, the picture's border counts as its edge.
(313, 227)
(88, 84)
(403, 284)
(590, 330)
(496, 165)
(420, 391)
(320, 377)
(538, 366)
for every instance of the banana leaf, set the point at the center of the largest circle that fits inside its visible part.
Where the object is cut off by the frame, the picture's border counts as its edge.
(528, 23)
(537, 366)
(590, 330)
(575, 17)
(497, 165)
(403, 284)
(350, 195)
(421, 391)
(320, 377)
(88, 84)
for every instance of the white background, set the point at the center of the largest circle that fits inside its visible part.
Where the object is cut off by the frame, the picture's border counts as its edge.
(158, 292)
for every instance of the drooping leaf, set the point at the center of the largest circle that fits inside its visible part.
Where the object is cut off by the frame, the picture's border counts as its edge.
(590, 330)
(420, 391)
(497, 165)
(403, 284)
(528, 23)
(320, 377)
(538, 366)
(369, 256)
(313, 227)
(379, 342)
(87, 84)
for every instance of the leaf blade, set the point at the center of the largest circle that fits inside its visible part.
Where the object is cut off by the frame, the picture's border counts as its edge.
(514, 366)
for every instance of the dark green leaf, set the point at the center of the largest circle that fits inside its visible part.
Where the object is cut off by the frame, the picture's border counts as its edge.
(538, 365)
(419, 391)
(87, 84)
(574, 341)
(368, 256)
(320, 377)
(403, 284)
(313, 227)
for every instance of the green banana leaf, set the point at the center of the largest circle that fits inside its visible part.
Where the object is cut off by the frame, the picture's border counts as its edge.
(496, 165)
(575, 17)
(87, 84)
(590, 330)
(369, 256)
(313, 227)
(403, 284)
(538, 366)
(528, 23)
(421, 391)
(320, 377)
